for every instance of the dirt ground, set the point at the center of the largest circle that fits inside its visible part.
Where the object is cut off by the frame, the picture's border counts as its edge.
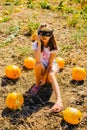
(34, 115)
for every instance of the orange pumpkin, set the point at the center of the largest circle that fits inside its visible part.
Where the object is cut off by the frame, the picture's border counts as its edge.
(78, 73)
(12, 71)
(60, 61)
(72, 115)
(14, 100)
(34, 37)
(29, 62)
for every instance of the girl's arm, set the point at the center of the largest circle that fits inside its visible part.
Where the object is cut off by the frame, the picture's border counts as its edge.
(37, 52)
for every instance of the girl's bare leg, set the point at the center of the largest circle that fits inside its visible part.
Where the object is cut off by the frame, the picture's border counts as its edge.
(58, 106)
(39, 70)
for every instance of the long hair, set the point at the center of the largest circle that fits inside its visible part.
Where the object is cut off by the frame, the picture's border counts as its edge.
(52, 42)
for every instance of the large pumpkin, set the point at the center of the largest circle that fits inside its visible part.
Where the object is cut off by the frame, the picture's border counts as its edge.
(72, 115)
(14, 100)
(60, 61)
(12, 71)
(78, 73)
(29, 62)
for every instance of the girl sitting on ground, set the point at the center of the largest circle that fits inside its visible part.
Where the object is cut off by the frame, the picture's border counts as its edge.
(45, 49)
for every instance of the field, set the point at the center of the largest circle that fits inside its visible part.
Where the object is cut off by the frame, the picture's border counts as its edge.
(19, 19)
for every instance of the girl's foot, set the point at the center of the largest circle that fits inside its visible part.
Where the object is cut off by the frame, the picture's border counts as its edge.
(57, 107)
(34, 90)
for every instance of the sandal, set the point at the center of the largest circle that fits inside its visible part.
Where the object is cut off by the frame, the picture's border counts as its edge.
(34, 90)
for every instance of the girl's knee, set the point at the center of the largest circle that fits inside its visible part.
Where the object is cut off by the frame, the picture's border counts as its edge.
(37, 64)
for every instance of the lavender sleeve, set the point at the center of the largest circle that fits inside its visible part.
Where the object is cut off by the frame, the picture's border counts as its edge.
(34, 45)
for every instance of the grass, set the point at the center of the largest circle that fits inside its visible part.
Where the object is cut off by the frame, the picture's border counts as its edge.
(31, 4)
(32, 26)
(10, 38)
(75, 18)
(6, 18)
(45, 5)
(79, 35)
(15, 2)
(23, 50)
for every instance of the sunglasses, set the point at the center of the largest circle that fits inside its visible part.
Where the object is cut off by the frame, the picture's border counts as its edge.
(45, 33)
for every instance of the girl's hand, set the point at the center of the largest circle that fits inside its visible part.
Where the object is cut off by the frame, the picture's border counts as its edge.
(38, 39)
(42, 81)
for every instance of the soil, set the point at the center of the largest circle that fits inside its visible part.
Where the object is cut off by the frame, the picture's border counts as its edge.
(34, 114)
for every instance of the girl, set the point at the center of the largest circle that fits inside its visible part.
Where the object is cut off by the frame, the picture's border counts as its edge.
(45, 49)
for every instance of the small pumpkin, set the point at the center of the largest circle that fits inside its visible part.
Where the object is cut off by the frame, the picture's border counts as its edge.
(12, 72)
(72, 115)
(60, 61)
(34, 37)
(29, 62)
(78, 73)
(14, 100)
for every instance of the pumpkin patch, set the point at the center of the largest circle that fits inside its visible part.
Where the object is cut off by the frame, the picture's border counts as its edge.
(72, 115)
(20, 22)
(14, 100)
(78, 73)
(12, 72)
